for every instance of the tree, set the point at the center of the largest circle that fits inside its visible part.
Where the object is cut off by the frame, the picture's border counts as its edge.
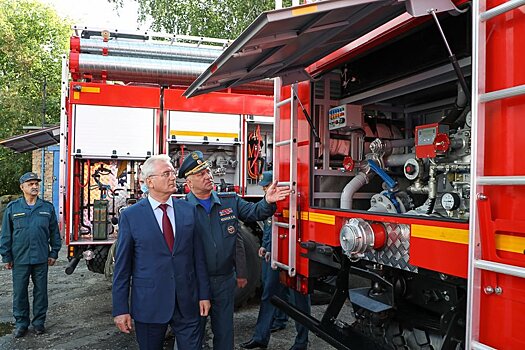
(224, 19)
(32, 39)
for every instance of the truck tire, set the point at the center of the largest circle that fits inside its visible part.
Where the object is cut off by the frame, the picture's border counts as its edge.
(109, 266)
(98, 263)
(390, 333)
(251, 248)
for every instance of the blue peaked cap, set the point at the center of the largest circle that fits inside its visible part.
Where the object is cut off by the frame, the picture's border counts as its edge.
(267, 178)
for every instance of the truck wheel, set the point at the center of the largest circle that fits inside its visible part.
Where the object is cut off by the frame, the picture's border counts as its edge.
(109, 266)
(251, 247)
(385, 331)
(98, 263)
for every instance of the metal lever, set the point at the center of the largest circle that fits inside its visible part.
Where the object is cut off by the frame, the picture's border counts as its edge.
(307, 116)
(452, 57)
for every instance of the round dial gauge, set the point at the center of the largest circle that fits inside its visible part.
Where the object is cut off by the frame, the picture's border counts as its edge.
(450, 201)
(468, 120)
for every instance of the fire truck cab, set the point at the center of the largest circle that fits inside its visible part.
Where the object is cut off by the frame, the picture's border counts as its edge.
(397, 128)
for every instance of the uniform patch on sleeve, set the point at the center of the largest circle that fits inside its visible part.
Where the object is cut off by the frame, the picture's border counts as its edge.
(226, 211)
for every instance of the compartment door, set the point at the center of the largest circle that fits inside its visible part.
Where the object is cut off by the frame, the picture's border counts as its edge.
(113, 132)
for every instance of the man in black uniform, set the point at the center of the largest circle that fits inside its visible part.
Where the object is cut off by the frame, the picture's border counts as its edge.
(218, 215)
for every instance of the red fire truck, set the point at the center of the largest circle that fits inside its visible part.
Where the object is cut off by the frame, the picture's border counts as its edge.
(398, 128)
(122, 103)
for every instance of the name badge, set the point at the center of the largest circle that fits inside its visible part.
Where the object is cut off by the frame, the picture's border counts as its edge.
(228, 218)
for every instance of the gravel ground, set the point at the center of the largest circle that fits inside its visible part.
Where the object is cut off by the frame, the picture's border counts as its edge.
(79, 316)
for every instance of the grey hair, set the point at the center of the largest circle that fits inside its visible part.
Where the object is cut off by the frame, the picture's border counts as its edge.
(148, 168)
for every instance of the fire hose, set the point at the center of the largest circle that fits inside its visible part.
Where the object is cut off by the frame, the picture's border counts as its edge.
(254, 153)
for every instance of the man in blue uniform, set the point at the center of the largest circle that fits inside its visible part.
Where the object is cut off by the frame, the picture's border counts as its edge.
(271, 287)
(29, 243)
(218, 215)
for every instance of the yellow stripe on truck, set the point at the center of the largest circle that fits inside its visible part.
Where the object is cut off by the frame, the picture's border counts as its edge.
(315, 217)
(90, 89)
(322, 218)
(512, 244)
(203, 133)
(445, 234)
(304, 10)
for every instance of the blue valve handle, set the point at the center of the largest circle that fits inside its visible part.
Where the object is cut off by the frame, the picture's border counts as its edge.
(391, 183)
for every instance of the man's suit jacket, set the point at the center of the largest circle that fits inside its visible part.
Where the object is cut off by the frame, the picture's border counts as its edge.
(158, 279)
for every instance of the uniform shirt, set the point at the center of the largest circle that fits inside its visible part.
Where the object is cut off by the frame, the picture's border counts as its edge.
(223, 246)
(159, 213)
(29, 234)
(206, 204)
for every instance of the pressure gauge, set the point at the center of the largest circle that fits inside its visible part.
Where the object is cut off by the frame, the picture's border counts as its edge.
(450, 201)
(468, 120)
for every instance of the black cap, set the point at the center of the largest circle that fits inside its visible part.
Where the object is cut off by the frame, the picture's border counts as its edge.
(192, 164)
(28, 177)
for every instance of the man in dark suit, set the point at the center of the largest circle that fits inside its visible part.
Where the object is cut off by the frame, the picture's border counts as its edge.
(160, 258)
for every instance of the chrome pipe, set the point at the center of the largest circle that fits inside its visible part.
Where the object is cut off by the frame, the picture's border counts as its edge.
(175, 51)
(148, 70)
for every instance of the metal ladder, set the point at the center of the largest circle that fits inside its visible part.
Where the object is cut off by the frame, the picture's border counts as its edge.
(279, 147)
(476, 262)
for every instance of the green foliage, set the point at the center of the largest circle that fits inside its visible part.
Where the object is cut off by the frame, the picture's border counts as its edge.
(224, 19)
(32, 39)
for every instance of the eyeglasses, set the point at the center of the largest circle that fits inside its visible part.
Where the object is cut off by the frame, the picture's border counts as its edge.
(165, 174)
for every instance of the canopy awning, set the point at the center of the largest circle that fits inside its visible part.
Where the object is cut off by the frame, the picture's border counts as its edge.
(33, 140)
(282, 43)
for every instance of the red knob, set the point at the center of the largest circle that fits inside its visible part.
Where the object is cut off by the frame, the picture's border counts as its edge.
(348, 163)
(441, 143)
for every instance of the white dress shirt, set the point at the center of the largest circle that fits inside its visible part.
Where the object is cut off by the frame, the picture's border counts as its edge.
(159, 213)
